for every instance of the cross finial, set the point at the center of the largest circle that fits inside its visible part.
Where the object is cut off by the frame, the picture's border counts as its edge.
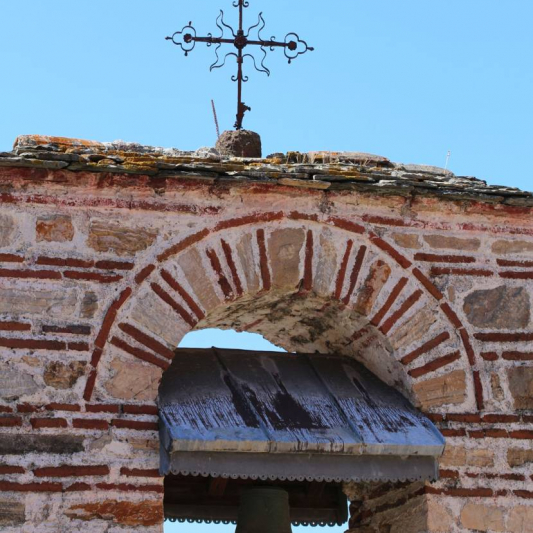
(292, 46)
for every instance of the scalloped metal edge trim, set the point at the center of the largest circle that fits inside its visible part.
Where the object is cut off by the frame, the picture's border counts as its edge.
(234, 522)
(300, 478)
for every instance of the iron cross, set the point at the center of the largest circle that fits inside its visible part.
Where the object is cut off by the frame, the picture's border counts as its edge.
(292, 46)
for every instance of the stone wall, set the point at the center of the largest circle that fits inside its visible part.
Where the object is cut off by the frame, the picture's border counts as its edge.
(109, 257)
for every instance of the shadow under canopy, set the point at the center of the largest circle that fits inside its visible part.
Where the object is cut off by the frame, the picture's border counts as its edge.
(307, 422)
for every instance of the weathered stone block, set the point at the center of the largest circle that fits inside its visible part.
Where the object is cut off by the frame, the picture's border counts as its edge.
(500, 308)
(479, 457)
(284, 248)
(53, 444)
(144, 445)
(407, 240)
(453, 456)
(521, 386)
(439, 518)
(377, 277)
(495, 384)
(121, 240)
(193, 268)
(512, 247)
(442, 390)
(452, 243)
(63, 376)
(7, 230)
(411, 517)
(89, 305)
(519, 456)
(52, 303)
(520, 519)
(414, 329)
(55, 228)
(159, 318)
(145, 513)
(12, 513)
(326, 267)
(133, 381)
(246, 256)
(15, 383)
(482, 517)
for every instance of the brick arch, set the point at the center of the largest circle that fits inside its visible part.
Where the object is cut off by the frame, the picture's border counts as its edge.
(404, 329)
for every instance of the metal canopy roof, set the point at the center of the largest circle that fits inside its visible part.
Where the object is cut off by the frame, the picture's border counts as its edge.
(271, 415)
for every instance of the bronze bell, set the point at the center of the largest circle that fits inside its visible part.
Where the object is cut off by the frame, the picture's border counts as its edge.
(264, 510)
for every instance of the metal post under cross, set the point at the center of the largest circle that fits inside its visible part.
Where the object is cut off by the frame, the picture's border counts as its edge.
(293, 46)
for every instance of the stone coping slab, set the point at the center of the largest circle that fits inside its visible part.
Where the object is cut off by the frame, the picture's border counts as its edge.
(313, 170)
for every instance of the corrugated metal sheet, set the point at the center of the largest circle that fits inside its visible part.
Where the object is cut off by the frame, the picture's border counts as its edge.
(289, 416)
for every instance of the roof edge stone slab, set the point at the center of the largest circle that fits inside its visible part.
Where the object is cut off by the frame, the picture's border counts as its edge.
(335, 171)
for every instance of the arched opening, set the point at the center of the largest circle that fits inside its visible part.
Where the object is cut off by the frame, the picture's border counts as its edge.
(337, 298)
(227, 338)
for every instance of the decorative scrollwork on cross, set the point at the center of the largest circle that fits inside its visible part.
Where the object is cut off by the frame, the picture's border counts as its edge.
(292, 47)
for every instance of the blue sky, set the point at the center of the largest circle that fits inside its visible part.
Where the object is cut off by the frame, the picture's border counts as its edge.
(406, 79)
(409, 80)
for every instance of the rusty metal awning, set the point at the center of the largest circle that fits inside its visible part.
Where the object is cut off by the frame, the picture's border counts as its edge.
(281, 416)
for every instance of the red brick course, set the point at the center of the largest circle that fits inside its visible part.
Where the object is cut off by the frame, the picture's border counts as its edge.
(78, 487)
(90, 423)
(185, 243)
(435, 365)
(144, 273)
(71, 471)
(143, 355)
(11, 258)
(125, 487)
(139, 472)
(141, 409)
(226, 248)
(436, 258)
(110, 318)
(518, 336)
(180, 310)
(339, 284)
(187, 298)
(387, 248)
(147, 340)
(395, 293)
(517, 356)
(223, 282)
(135, 424)
(359, 258)
(14, 326)
(10, 421)
(8, 486)
(43, 423)
(62, 407)
(425, 348)
(29, 274)
(445, 271)
(307, 284)
(91, 276)
(263, 260)
(430, 287)
(102, 408)
(395, 317)
(7, 470)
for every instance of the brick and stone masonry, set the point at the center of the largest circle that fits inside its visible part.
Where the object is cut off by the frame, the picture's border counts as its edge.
(111, 253)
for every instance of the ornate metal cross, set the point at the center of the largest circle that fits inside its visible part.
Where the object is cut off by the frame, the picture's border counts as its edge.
(292, 46)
